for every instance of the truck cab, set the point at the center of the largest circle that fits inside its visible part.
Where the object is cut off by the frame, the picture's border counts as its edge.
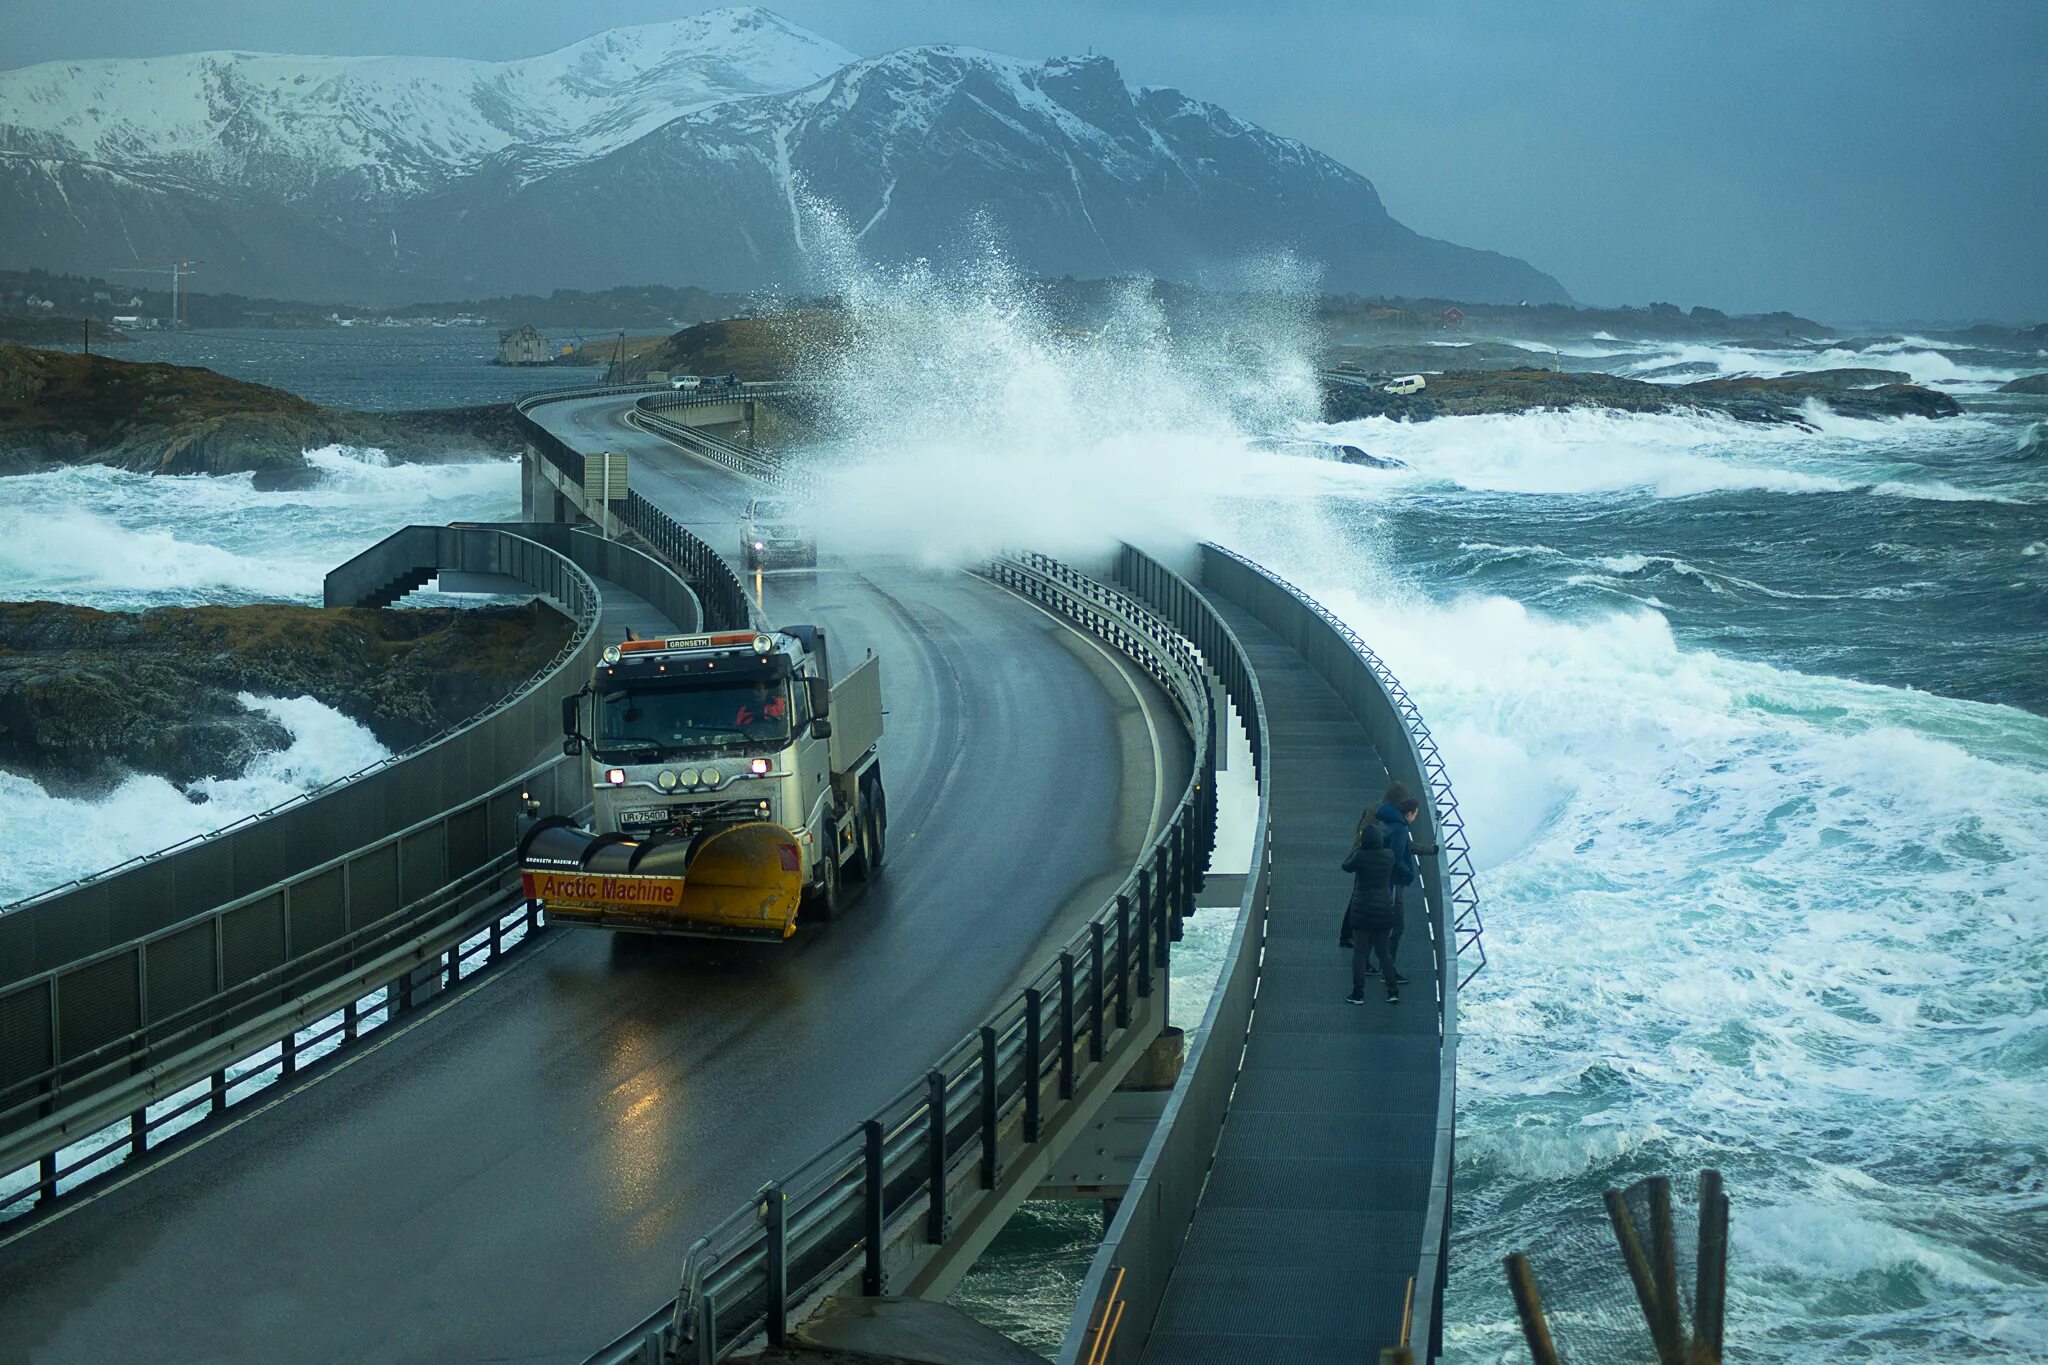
(729, 775)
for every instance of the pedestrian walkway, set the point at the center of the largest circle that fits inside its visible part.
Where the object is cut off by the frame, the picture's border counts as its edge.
(1312, 1219)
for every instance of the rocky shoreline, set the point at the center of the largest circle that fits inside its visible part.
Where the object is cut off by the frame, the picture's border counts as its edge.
(1783, 400)
(88, 697)
(58, 408)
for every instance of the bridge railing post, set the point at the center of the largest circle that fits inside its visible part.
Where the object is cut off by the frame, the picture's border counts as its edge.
(991, 1166)
(1145, 936)
(775, 1217)
(1034, 1059)
(1095, 969)
(1066, 1026)
(1167, 913)
(936, 1225)
(874, 1198)
(1124, 962)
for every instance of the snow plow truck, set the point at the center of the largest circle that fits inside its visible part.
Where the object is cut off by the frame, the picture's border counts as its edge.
(735, 789)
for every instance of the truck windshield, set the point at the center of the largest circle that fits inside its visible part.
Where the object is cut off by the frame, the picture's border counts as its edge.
(651, 724)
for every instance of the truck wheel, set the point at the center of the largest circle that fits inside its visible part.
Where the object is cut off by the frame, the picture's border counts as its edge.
(875, 826)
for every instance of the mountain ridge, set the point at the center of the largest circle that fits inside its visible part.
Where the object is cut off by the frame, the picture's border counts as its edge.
(674, 153)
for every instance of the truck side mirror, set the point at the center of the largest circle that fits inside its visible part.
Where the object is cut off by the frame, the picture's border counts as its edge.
(569, 714)
(821, 698)
(572, 747)
(822, 728)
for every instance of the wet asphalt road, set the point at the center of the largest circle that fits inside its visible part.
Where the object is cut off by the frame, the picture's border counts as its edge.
(516, 1174)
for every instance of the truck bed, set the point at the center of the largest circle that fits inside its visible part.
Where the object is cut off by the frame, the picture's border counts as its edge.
(856, 714)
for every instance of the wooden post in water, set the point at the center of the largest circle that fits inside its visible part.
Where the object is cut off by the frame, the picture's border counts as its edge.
(1710, 1296)
(1529, 1308)
(1661, 1318)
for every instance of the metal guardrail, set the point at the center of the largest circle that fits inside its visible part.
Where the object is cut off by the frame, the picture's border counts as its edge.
(553, 448)
(10, 946)
(921, 1166)
(1397, 728)
(109, 979)
(759, 465)
(1126, 1281)
(1394, 724)
(725, 602)
(99, 1036)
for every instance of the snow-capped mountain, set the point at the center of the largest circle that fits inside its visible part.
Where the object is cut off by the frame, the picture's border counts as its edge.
(294, 126)
(672, 153)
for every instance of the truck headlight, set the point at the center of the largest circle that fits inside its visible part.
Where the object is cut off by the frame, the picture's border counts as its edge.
(615, 776)
(711, 777)
(758, 767)
(668, 779)
(611, 654)
(688, 777)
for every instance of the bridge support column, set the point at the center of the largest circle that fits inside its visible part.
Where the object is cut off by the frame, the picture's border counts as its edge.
(1101, 1159)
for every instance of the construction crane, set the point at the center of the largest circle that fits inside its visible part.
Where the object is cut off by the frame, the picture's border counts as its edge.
(177, 270)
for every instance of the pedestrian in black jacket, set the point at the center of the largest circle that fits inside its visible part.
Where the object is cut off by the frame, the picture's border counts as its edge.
(1372, 913)
(1396, 815)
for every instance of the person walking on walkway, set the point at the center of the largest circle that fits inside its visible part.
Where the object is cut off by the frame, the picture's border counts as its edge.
(1398, 811)
(1372, 913)
(1365, 822)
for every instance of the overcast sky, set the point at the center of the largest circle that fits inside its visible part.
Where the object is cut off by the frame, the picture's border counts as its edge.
(1851, 159)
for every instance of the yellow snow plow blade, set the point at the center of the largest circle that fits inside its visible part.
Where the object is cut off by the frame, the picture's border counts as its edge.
(745, 878)
(742, 881)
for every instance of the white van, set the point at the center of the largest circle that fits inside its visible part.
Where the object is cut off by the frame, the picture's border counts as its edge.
(691, 382)
(1407, 383)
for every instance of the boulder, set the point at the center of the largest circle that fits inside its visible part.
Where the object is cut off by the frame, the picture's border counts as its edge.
(60, 408)
(2030, 383)
(89, 696)
(1778, 400)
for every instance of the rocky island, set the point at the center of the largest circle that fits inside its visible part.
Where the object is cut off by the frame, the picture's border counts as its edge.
(1785, 399)
(88, 696)
(57, 408)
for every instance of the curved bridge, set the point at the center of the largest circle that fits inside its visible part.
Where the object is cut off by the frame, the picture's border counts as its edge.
(525, 1174)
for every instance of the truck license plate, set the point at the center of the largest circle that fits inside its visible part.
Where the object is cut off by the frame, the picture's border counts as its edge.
(654, 816)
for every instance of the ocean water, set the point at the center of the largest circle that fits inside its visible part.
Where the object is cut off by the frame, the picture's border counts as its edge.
(119, 541)
(372, 368)
(1750, 727)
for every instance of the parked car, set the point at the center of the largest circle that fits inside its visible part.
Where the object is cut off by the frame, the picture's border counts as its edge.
(1407, 383)
(773, 532)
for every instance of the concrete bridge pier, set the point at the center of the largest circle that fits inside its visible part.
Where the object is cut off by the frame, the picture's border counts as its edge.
(540, 499)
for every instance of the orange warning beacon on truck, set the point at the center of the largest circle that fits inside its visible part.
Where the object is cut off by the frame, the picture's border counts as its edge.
(734, 788)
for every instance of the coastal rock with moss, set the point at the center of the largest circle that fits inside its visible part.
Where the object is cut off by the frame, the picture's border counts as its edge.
(58, 408)
(88, 696)
(1785, 399)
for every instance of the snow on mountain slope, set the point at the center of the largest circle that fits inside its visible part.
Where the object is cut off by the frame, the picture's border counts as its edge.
(1077, 172)
(295, 125)
(675, 153)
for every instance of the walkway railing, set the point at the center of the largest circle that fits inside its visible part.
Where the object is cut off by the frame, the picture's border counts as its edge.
(909, 1179)
(1127, 1281)
(726, 602)
(130, 988)
(1395, 725)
